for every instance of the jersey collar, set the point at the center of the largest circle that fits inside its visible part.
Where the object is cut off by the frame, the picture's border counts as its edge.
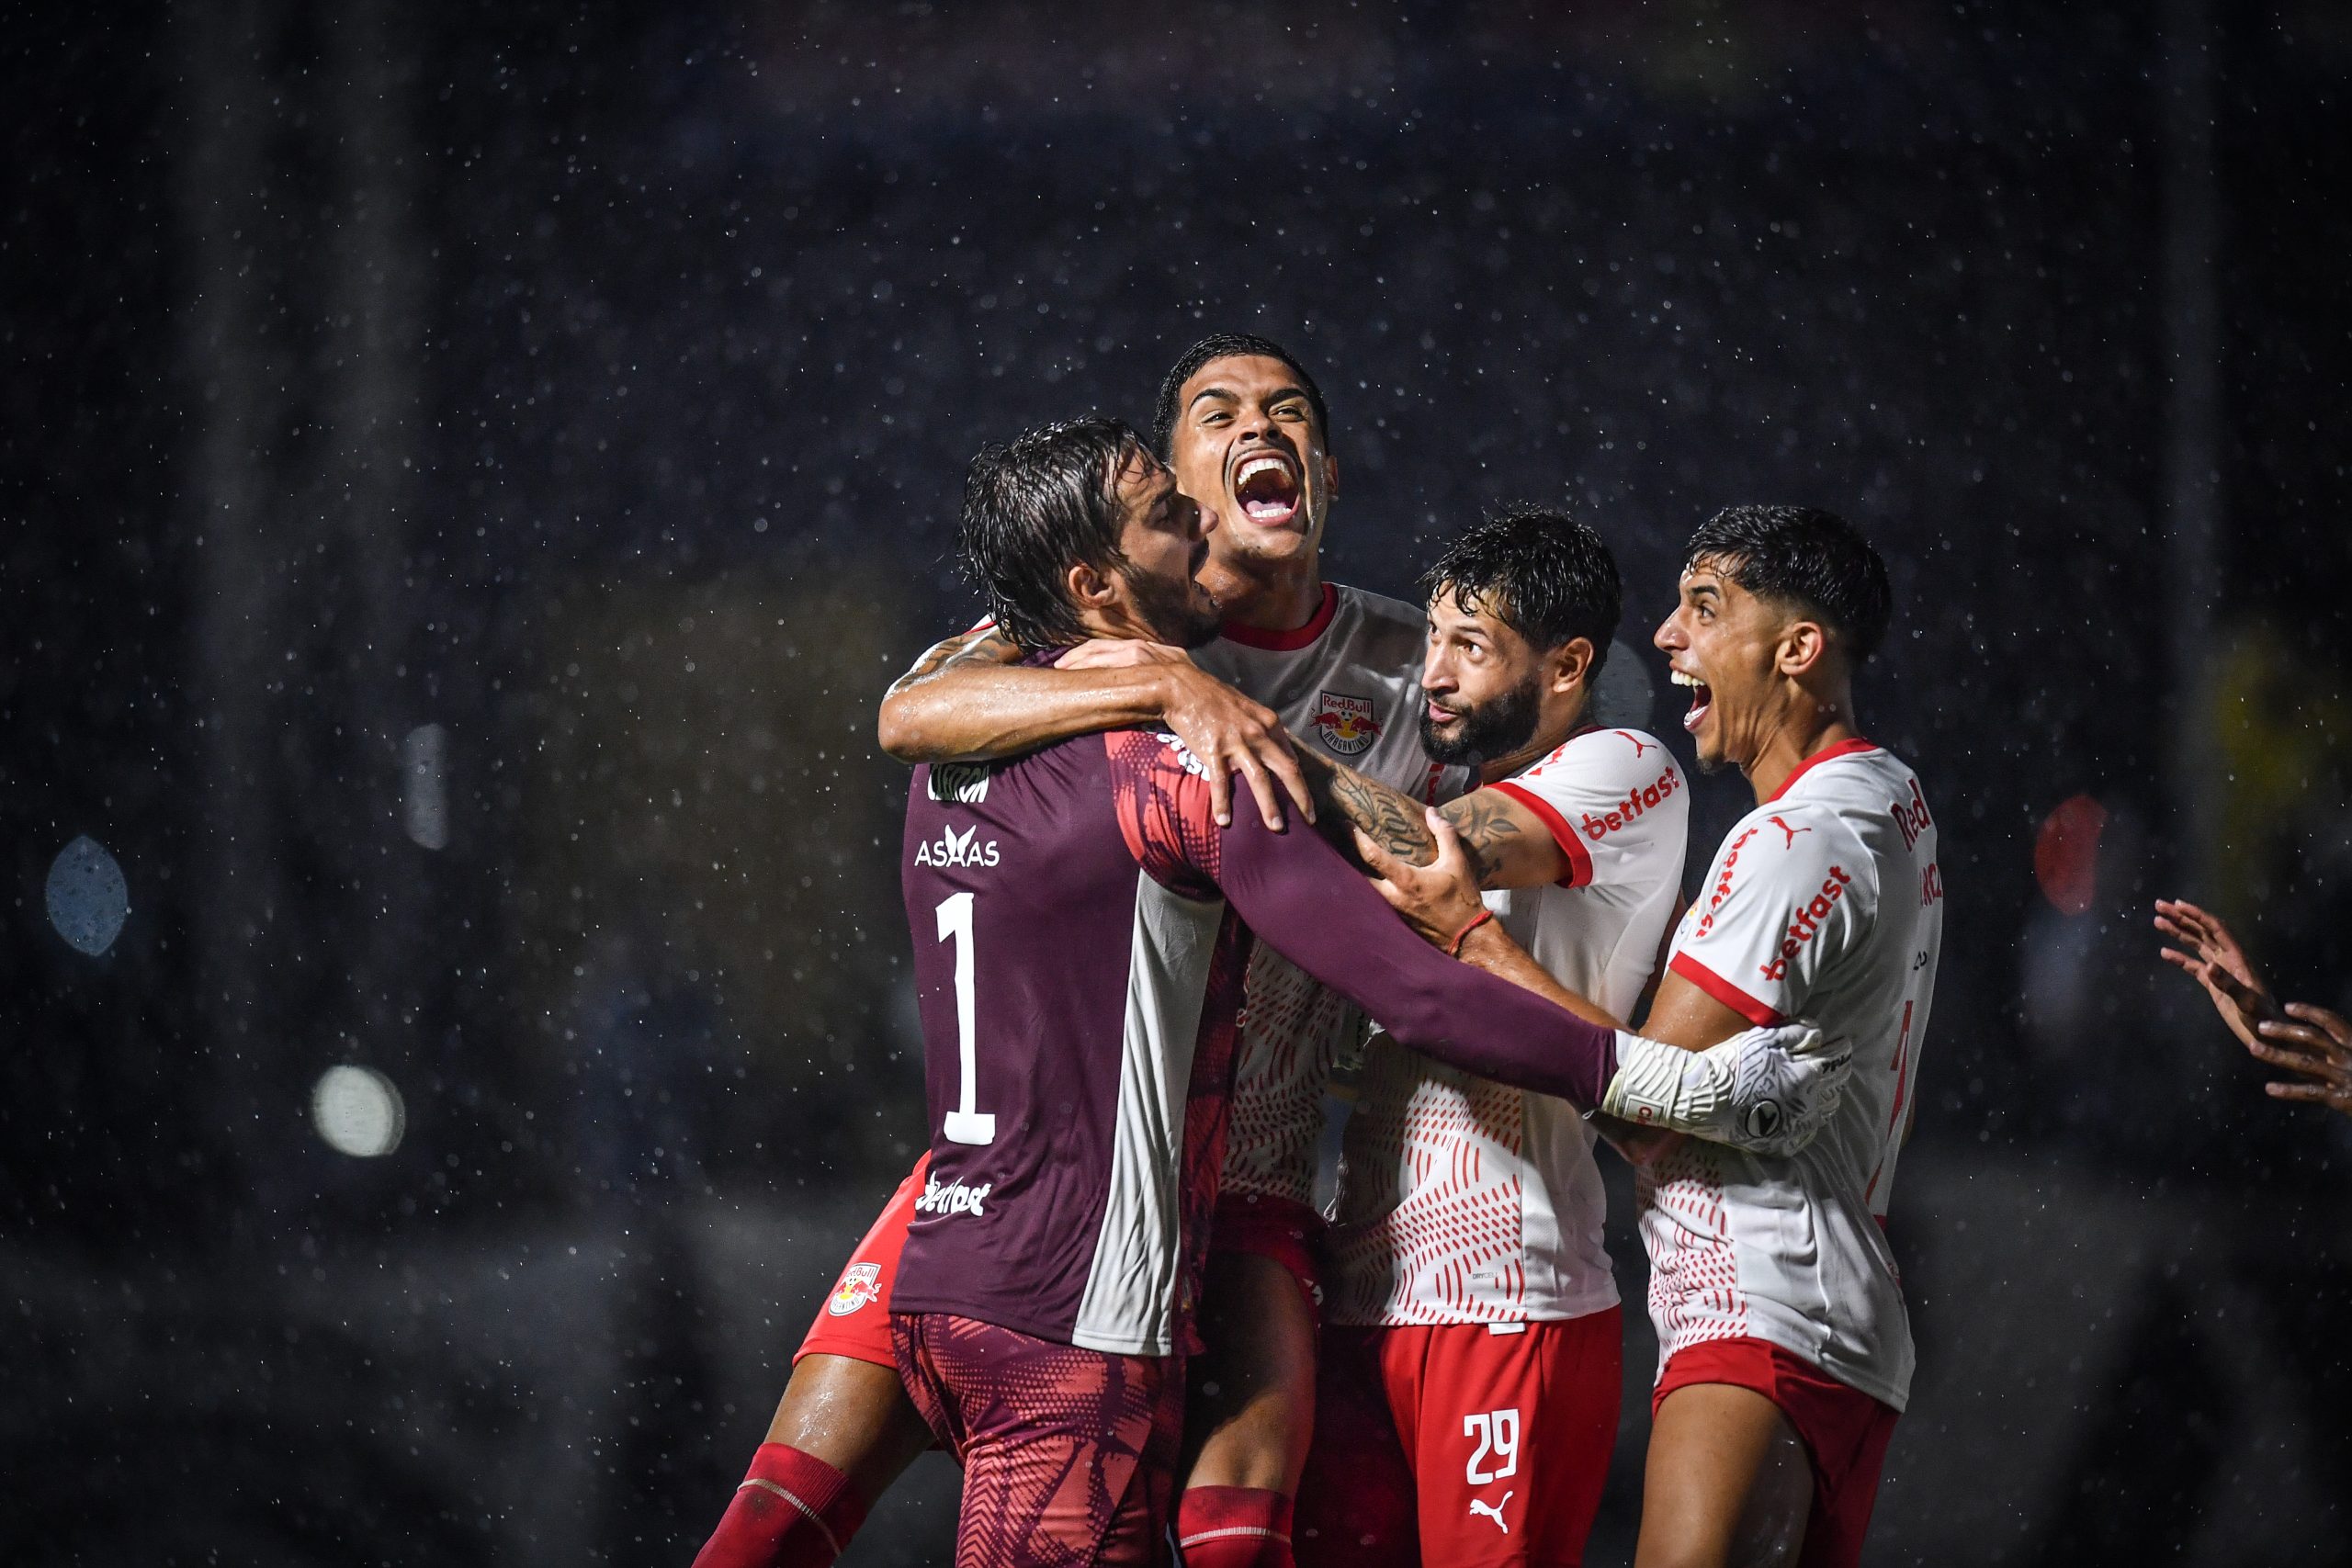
(1293, 640)
(1843, 749)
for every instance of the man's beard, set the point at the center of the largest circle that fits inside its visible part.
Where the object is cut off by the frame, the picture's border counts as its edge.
(1178, 614)
(1494, 729)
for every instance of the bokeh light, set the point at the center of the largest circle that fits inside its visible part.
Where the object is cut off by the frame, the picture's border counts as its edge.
(2066, 855)
(89, 899)
(425, 785)
(359, 1112)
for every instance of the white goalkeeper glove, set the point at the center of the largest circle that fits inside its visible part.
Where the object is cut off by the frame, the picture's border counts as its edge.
(1766, 1091)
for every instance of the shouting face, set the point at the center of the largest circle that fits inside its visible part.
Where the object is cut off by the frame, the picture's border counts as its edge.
(1246, 443)
(1725, 645)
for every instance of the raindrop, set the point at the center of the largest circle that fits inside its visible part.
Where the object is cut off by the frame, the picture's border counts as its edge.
(425, 785)
(1621, 698)
(357, 1111)
(89, 899)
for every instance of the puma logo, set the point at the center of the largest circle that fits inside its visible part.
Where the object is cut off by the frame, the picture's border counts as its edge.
(1493, 1511)
(1791, 833)
(1640, 745)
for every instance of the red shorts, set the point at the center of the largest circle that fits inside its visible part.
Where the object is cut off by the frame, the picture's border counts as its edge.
(1844, 1430)
(1289, 1232)
(1069, 1455)
(1451, 1445)
(856, 1319)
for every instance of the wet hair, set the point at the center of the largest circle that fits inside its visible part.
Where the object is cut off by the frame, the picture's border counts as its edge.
(1045, 502)
(1225, 346)
(1813, 560)
(1542, 574)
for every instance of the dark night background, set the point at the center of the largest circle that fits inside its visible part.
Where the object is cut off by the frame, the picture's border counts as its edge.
(471, 470)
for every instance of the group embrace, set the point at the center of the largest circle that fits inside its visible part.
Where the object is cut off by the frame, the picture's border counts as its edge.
(1192, 829)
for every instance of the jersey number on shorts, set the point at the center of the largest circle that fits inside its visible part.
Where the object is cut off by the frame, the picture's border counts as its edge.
(964, 1126)
(1498, 1435)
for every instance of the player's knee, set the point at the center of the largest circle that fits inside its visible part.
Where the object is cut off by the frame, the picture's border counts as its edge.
(852, 1414)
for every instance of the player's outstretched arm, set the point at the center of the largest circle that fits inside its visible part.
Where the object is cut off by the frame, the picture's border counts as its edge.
(2308, 1042)
(1508, 846)
(1767, 1090)
(971, 699)
(2209, 954)
(1439, 899)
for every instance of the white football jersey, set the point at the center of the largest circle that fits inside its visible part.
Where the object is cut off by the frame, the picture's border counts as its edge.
(1823, 904)
(1467, 1202)
(1349, 682)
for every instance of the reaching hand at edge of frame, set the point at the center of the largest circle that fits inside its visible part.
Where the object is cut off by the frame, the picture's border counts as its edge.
(2317, 1048)
(1438, 901)
(2211, 956)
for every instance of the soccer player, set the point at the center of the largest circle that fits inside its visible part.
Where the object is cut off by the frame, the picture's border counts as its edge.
(1245, 428)
(2308, 1042)
(1786, 1350)
(1475, 1314)
(1079, 1007)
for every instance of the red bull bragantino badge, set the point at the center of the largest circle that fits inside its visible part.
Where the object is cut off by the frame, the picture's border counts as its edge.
(1345, 724)
(860, 1283)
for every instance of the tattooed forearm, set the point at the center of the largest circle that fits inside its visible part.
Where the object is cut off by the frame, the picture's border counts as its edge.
(986, 645)
(1488, 829)
(1347, 800)
(1387, 818)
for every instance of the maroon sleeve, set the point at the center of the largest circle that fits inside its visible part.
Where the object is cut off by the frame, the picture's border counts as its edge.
(1295, 892)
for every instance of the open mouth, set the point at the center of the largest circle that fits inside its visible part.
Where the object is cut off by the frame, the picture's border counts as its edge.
(1267, 487)
(1703, 697)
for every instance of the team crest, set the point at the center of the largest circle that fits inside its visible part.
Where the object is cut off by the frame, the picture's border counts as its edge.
(861, 1283)
(1345, 725)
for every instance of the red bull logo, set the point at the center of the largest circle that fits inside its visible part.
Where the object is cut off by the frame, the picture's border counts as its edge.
(1345, 725)
(860, 1283)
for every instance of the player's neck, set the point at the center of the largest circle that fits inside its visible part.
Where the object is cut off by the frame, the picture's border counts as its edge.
(1116, 624)
(1811, 725)
(1549, 737)
(1271, 597)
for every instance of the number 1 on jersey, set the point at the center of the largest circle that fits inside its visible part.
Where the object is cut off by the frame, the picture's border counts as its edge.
(963, 1124)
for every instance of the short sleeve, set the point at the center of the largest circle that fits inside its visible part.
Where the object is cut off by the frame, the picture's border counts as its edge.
(1790, 894)
(1160, 794)
(1615, 802)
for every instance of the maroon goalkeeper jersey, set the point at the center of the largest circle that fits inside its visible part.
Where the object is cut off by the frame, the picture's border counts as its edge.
(1078, 924)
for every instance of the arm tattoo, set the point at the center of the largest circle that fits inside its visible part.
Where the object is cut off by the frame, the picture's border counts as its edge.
(1389, 817)
(1486, 826)
(986, 645)
(1393, 819)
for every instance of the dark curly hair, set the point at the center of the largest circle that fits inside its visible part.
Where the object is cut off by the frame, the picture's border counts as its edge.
(1543, 574)
(1804, 557)
(1226, 346)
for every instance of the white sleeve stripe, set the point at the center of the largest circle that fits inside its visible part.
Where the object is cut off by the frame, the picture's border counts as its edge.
(1580, 858)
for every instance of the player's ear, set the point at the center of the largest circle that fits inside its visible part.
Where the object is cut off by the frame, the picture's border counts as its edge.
(1570, 664)
(1804, 645)
(1088, 590)
(1330, 476)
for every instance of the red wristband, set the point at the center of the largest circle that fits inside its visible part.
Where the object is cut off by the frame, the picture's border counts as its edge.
(1453, 949)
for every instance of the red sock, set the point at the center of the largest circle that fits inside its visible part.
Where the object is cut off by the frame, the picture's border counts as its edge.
(1233, 1527)
(793, 1510)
